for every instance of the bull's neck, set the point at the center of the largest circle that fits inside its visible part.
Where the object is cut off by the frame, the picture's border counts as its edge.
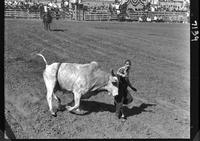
(105, 82)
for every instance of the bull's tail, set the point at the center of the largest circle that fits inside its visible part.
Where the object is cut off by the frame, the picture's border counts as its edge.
(39, 54)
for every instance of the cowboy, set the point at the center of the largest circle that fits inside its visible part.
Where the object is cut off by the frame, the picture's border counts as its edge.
(123, 97)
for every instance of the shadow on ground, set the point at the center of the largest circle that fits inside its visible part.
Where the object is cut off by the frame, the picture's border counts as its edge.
(137, 110)
(61, 30)
(8, 131)
(88, 107)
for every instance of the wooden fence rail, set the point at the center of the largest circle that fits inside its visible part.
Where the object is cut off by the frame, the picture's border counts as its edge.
(97, 17)
(166, 16)
(21, 14)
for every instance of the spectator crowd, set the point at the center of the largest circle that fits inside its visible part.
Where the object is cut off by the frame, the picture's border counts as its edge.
(25, 5)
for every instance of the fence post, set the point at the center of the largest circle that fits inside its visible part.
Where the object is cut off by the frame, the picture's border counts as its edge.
(75, 12)
(83, 15)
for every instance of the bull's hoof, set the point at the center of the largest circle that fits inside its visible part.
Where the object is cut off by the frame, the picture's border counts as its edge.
(78, 110)
(54, 114)
(123, 119)
(69, 108)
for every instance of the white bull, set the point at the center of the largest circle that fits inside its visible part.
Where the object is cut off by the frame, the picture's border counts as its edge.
(81, 79)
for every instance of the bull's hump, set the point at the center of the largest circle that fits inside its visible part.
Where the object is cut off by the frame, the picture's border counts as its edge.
(94, 65)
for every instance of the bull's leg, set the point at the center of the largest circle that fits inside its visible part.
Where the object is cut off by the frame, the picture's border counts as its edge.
(49, 100)
(72, 102)
(77, 98)
(50, 84)
(58, 100)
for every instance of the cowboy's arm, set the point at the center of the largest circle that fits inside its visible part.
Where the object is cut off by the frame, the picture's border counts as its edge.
(130, 85)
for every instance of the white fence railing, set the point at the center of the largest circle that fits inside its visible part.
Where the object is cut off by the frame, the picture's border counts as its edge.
(166, 16)
(96, 17)
(9, 13)
(21, 14)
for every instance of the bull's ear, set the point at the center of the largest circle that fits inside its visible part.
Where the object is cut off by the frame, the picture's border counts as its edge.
(112, 72)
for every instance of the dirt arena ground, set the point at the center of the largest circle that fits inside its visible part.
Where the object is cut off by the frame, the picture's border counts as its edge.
(160, 72)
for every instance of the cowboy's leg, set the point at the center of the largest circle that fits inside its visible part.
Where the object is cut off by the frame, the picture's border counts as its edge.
(118, 107)
(127, 97)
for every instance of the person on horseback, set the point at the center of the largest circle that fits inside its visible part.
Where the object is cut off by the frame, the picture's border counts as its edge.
(45, 8)
(47, 18)
(123, 11)
(124, 97)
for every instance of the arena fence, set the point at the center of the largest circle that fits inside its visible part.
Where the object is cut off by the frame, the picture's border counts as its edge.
(166, 16)
(97, 17)
(9, 13)
(81, 15)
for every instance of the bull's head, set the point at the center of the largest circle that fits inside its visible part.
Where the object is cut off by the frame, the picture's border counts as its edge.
(113, 84)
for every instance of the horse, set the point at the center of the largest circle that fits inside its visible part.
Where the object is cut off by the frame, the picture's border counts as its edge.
(47, 20)
(119, 10)
(123, 15)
